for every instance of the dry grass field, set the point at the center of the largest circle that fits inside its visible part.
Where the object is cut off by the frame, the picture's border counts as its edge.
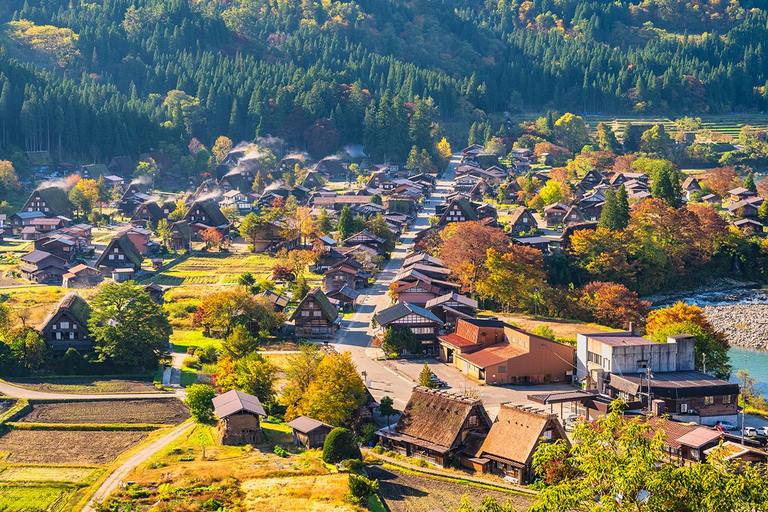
(321, 493)
(166, 411)
(66, 446)
(45, 474)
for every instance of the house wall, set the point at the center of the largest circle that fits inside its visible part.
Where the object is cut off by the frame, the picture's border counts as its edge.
(240, 428)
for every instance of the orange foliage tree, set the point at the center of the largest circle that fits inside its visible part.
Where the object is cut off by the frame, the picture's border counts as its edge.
(465, 247)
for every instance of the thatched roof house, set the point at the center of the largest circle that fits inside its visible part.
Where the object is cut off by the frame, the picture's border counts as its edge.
(438, 426)
(514, 437)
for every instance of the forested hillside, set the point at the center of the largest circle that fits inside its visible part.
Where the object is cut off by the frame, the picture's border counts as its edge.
(105, 77)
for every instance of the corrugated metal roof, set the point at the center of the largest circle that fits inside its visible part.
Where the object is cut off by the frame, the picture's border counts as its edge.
(235, 401)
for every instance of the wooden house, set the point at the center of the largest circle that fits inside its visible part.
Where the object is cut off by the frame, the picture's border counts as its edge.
(156, 292)
(690, 187)
(67, 325)
(450, 307)
(417, 288)
(82, 276)
(438, 427)
(365, 237)
(279, 302)
(590, 180)
(51, 201)
(332, 167)
(315, 316)
(59, 244)
(239, 418)
(749, 226)
(345, 298)
(573, 216)
(421, 322)
(522, 221)
(206, 214)
(42, 267)
(308, 432)
(459, 209)
(514, 438)
(119, 254)
(740, 194)
(181, 236)
(555, 213)
(344, 274)
(122, 166)
(148, 212)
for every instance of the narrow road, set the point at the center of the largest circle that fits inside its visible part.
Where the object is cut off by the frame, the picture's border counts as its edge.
(355, 334)
(117, 476)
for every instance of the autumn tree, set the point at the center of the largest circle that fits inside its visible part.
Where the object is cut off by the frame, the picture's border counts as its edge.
(252, 228)
(613, 305)
(721, 180)
(444, 150)
(9, 180)
(425, 377)
(212, 237)
(605, 255)
(464, 250)
(221, 148)
(571, 131)
(84, 195)
(682, 318)
(239, 343)
(300, 370)
(656, 141)
(515, 278)
(220, 312)
(335, 393)
(666, 186)
(253, 374)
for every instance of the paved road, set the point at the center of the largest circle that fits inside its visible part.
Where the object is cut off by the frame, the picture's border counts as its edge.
(117, 476)
(397, 378)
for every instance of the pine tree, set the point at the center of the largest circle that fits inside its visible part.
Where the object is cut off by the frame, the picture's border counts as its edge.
(346, 223)
(425, 377)
(762, 212)
(664, 188)
(749, 182)
(622, 208)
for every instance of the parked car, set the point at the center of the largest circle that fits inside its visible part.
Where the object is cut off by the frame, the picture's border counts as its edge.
(571, 421)
(725, 425)
(762, 431)
(749, 432)
(437, 382)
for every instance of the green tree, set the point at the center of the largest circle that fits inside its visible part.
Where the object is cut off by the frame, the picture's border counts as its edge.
(571, 132)
(324, 223)
(397, 340)
(252, 227)
(340, 445)
(749, 182)
(386, 408)
(606, 139)
(361, 488)
(656, 141)
(376, 199)
(128, 327)
(762, 212)
(425, 377)
(163, 231)
(300, 286)
(200, 402)
(615, 214)
(346, 223)
(666, 187)
(239, 343)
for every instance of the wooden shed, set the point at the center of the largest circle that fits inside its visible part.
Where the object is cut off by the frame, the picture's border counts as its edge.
(309, 432)
(239, 421)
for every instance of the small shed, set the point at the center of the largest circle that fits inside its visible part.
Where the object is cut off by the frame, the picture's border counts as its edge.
(238, 414)
(309, 432)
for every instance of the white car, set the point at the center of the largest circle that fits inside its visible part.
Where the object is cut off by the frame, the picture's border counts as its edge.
(749, 432)
(762, 431)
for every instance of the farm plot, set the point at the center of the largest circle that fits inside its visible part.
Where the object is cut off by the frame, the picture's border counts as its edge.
(66, 446)
(213, 269)
(87, 385)
(403, 491)
(45, 474)
(26, 498)
(166, 411)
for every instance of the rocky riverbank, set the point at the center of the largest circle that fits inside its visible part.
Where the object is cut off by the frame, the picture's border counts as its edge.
(745, 325)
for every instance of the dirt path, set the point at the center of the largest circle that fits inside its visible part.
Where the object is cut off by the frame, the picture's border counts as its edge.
(7, 389)
(406, 492)
(117, 476)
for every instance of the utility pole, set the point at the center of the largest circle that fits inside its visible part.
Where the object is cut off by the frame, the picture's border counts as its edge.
(649, 376)
(743, 399)
(704, 361)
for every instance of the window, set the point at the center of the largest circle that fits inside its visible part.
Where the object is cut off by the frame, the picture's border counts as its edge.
(727, 399)
(502, 369)
(642, 363)
(65, 325)
(548, 434)
(120, 257)
(305, 313)
(111, 256)
(317, 314)
(709, 400)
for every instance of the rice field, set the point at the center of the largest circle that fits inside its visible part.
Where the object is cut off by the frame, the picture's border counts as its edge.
(214, 268)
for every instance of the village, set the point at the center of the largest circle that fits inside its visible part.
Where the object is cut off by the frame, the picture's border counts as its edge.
(459, 374)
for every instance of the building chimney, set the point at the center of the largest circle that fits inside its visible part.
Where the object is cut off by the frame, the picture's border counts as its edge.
(632, 328)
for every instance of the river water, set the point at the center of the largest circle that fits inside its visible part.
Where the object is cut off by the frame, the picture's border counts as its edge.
(756, 361)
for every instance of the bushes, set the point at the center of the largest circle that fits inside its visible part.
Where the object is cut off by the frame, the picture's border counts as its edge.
(200, 402)
(339, 445)
(280, 451)
(361, 488)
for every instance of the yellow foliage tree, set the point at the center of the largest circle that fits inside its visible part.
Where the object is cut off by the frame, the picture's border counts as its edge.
(336, 392)
(221, 148)
(444, 149)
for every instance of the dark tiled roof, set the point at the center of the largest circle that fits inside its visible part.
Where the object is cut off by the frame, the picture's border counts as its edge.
(399, 310)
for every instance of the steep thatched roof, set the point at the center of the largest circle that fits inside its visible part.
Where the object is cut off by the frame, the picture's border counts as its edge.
(73, 304)
(132, 254)
(437, 417)
(57, 201)
(330, 312)
(516, 432)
